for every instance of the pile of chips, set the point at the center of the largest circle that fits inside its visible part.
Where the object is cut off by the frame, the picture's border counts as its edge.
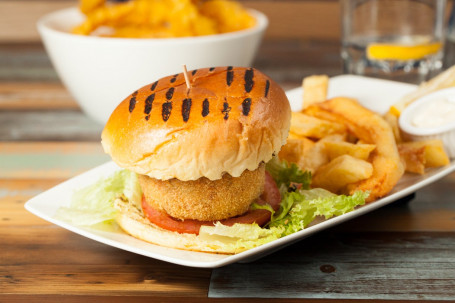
(162, 18)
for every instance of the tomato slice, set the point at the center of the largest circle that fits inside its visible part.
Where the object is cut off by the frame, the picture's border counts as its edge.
(271, 196)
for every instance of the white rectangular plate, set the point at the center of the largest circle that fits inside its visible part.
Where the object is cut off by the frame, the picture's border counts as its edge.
(375, 94)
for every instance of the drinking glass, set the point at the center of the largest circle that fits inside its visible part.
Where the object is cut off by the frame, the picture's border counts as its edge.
(449, 49)
(400, 40)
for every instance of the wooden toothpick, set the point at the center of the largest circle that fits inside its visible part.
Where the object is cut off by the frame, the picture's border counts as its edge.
(187, 79)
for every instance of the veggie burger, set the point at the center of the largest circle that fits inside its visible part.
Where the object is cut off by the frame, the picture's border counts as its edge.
(199, 153)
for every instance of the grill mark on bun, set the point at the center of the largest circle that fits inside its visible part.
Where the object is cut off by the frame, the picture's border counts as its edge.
(226, 110)
(186, 109)
(167, 93)
(152, 88)
(148, 105)
(246, 106)
(166, 110)
(249, 83)
(174, 78)
(267, 87)
(205, 107)
(229, 76)
(170, 93)
(132, 102)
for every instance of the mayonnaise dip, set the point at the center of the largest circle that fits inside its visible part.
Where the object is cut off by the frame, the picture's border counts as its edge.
(439, 111)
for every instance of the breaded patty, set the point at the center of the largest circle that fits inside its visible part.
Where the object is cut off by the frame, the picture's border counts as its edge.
(203, 199)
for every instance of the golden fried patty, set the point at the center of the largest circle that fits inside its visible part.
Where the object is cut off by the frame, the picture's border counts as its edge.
(203, 199)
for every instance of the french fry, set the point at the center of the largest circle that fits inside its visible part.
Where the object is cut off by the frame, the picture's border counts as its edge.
(393, 122)
(338, 137)
(341, 171)
(314, 158)
(306, 153)
(311, 127)
(104, 15)
(294, 136)
(434, 152)
(413, 157)
(295, 149)
(87, 6)
(314, 89)
(360, 151)
(372, 129)
(161, 18)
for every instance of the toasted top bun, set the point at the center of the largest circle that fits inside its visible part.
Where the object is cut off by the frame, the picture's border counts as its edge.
(230, 120)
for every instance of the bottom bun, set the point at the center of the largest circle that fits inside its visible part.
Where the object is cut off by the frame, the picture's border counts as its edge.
(132, 221)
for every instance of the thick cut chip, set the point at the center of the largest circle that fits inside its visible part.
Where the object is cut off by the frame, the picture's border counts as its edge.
(314, 158)
(315, 89)
(295, 150)
(393, 122)
(434, 152)
(341, 171)
(370, 128)
(307, 126)
(360, 151)
(306, 153)
(413, 158)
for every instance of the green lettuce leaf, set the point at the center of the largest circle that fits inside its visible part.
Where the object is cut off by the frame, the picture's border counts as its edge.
(330, 205)
(238, 237)
(284, 173)
(299, 215)
(300, 208)
(95, 203)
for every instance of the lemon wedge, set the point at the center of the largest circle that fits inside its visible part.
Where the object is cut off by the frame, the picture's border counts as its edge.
(384, 51)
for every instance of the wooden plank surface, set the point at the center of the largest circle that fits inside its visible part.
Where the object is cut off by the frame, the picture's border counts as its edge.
(35, 96)
(49, 125)
(48, 160)
(147, 299)
(394, 266)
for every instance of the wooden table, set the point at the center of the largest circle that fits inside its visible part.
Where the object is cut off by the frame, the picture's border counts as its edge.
(403, 251)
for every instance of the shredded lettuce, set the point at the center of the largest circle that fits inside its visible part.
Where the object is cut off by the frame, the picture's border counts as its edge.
(95, 203)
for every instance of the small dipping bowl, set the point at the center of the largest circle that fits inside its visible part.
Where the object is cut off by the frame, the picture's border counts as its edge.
(437, 113)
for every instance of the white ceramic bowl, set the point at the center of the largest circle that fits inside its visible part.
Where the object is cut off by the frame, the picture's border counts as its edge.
(445, 132)
(100, 72)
